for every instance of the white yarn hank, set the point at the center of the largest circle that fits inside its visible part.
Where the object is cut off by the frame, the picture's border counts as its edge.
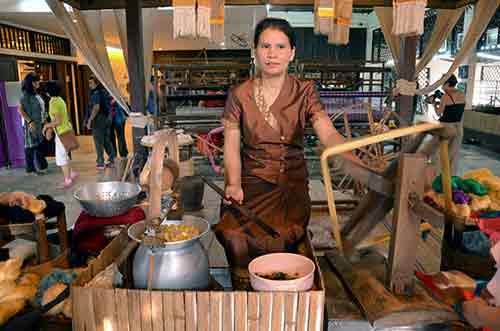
(184, 22)
(404, 87)
(408, 17)
(203, 22)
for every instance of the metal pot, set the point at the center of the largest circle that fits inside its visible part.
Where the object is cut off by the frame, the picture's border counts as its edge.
(182, 265)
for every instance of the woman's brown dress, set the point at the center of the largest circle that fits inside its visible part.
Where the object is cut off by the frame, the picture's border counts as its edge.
(274, 173)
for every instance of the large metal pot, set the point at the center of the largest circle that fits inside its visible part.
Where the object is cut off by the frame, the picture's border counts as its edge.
(182, 265)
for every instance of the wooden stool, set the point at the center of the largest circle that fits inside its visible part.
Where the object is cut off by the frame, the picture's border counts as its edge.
(39, 228)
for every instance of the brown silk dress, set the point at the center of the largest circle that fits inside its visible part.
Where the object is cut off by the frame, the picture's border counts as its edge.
(274, 173)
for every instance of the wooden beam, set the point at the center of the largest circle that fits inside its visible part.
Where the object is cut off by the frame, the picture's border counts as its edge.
(369, 178)
(408, 56)
(121, 4)
(405, 226)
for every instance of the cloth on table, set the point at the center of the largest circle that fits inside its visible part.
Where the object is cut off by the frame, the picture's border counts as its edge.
(88, 232)
(476, 242)
(489, 214)
(18, 214)
(489, 225)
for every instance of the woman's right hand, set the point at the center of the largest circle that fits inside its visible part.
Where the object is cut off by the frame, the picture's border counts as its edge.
(235, 192)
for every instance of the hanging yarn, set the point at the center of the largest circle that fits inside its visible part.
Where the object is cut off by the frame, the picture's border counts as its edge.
(324, 14)
(341, 22)
(217, 21)
(408, 17)
(203, 13)
(184, 18)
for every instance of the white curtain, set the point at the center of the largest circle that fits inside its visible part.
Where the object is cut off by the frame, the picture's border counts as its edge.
(483, 12)
(86, 32)
(445, 22)
(384, 15)
(148, 15)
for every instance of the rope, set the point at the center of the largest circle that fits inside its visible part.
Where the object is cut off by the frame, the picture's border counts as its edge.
(405, 87)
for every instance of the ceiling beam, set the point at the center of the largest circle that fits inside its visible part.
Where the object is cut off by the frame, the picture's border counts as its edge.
(120, 4)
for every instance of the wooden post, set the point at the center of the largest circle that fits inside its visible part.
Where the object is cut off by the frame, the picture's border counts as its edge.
(407, 65)
(135, 49)
(405, 225)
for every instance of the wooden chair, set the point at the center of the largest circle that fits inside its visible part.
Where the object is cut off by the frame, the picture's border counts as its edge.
(38, 229)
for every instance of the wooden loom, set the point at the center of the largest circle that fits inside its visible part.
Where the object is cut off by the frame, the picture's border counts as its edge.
(401, 187)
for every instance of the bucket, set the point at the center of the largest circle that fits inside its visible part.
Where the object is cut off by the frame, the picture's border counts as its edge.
(192, 189)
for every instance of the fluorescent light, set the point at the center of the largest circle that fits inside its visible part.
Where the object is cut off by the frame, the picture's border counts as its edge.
(488, 56)
(165, 8)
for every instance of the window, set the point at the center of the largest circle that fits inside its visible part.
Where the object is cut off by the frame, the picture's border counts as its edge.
(443, 47)
(460, 40)
(492, 37)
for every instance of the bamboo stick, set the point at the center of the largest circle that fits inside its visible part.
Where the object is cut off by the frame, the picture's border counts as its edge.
(446, 175)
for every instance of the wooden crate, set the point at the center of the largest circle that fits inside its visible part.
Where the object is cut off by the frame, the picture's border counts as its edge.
(141, 310)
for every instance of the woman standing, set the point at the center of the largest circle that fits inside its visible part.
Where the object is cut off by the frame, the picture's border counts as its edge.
(60, 124)
(450, 109)
(32, 110)
(268, 174)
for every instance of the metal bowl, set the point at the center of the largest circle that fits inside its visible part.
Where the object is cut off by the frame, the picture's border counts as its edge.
(107, 199)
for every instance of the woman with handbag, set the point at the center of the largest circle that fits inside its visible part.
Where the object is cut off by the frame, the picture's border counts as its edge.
(65, 138)
(32, 110)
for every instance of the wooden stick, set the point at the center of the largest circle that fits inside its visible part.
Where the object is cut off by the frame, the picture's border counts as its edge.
(208, 143)
(151, 271)
(446, 174)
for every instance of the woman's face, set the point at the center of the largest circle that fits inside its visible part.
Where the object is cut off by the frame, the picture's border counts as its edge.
(36, 85)
(274, 53)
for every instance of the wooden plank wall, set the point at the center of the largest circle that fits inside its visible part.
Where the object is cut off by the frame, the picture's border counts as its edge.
(137, 310)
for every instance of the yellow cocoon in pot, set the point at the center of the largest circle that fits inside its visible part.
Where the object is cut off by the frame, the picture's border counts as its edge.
(462, 210)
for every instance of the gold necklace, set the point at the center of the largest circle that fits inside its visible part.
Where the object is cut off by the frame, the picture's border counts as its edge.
(261, 102)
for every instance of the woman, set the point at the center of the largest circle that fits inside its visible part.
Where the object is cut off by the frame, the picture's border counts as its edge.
(60, 124)
(450, 110)
(269, 113)
(32, 110)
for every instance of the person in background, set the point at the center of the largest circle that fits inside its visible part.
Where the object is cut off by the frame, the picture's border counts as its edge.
(59, 123)
(450, 110)
(99, 120)
(32, 109)
(118, 129)
(151, 105)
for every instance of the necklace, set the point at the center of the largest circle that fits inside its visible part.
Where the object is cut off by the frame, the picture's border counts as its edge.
(262, 105)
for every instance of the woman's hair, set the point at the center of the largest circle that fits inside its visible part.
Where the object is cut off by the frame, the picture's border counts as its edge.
(452, 81)
(53, 88)
(276, 24)
(27, 85)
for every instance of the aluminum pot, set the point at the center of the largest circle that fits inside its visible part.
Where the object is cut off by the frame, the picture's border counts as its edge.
(107, 199)
(182, 265)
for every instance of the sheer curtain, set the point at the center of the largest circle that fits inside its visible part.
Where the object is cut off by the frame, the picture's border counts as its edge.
(86, 32)
(446, 20)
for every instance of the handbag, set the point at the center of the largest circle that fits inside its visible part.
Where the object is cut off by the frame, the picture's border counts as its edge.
(69, 140)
